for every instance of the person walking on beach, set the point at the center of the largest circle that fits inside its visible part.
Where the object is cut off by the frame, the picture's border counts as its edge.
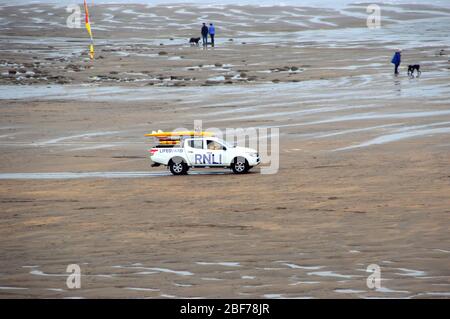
(396, 60)
(212, 33)
(205, 32)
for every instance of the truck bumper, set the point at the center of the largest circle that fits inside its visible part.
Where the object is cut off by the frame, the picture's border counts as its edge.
(254, 161)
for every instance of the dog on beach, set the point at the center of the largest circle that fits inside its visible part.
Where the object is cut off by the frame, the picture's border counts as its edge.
(194, 41)
(412, 68)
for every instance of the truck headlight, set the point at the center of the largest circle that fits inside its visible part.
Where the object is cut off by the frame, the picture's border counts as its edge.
(253, 154)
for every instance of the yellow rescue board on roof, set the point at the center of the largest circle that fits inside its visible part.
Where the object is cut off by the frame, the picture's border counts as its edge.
(161, 134)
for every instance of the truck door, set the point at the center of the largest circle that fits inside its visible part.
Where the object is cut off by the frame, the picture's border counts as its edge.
(195, 151)
(215, 153)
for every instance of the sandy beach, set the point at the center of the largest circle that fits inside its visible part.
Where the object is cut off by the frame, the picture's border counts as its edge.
(364, 172)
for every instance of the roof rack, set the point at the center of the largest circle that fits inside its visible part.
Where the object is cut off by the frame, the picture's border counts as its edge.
(160, 134)
(173, 139)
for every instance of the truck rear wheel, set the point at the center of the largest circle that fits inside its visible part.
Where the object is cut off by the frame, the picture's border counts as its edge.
(178, 167)
(240, 165)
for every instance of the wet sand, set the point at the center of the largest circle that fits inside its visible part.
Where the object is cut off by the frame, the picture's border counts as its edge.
(364, 157)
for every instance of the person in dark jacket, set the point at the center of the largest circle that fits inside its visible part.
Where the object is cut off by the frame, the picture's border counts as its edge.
(205, 32)
(212, 33)
(396, 60)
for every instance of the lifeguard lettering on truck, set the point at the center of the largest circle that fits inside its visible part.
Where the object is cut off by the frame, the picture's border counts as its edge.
(204, 152)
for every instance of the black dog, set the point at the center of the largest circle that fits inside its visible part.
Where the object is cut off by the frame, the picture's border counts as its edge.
(412, 68)
(194, 41)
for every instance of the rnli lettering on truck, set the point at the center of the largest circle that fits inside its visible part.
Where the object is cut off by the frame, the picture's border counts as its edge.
(211, 159)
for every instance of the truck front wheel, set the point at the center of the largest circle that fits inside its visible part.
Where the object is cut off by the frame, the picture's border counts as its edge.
(178, 167)
(240, 165)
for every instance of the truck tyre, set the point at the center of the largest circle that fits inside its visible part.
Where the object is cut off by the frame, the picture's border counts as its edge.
(240, 165)
(178, 167)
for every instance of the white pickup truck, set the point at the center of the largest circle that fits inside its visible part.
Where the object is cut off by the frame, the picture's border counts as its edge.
(204, 152)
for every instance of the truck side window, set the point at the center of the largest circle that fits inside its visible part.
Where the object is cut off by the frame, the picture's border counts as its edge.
(214, 146)
(196, 144)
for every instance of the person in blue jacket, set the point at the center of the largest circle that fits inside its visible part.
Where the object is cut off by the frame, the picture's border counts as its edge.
(396, 60)
(205, 32)
(212, 33)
